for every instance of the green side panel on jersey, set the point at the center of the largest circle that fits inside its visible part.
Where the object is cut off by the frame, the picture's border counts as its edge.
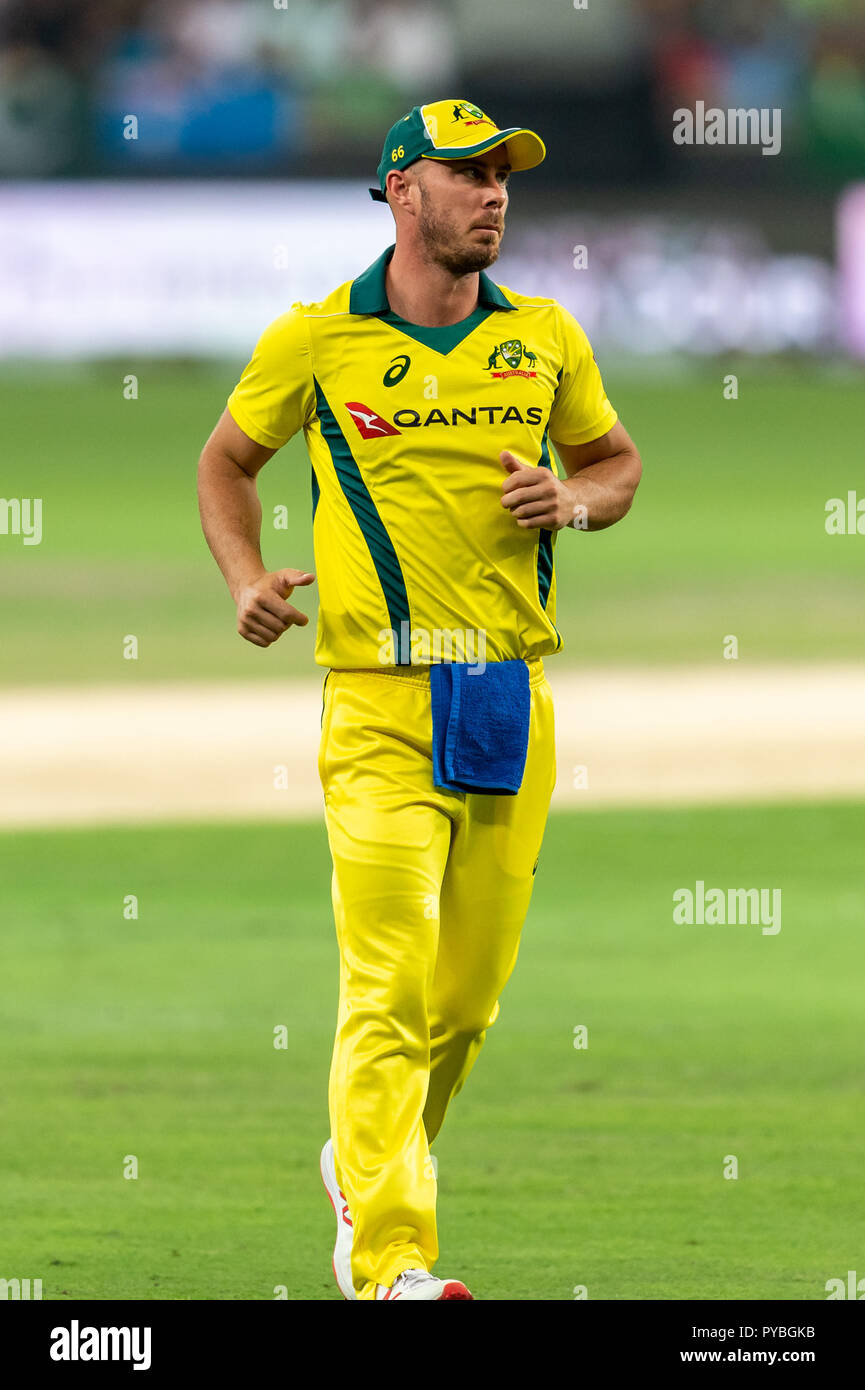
(365, 512)
(315, 490)
(545, 538)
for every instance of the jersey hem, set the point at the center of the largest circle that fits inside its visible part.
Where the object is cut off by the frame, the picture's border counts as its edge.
(419, 675)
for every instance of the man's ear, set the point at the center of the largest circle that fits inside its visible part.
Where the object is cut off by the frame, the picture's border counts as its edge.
(397, 188)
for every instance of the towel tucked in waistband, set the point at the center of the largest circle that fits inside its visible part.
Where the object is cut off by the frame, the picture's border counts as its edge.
(480, 726)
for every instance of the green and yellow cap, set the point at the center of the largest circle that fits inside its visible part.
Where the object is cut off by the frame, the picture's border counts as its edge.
(452, 130)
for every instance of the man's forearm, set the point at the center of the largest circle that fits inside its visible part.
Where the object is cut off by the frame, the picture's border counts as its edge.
(231, 519)
(603, 492)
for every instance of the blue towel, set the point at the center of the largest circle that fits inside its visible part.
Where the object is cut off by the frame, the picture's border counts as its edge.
(480, 726)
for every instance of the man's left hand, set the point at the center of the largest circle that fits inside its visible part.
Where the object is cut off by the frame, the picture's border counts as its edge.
(534, 496)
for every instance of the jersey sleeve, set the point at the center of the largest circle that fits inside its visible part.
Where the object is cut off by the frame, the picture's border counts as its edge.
(275, 396)
(581, 411)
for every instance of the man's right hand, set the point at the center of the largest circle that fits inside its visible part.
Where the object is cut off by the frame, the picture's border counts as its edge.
(262, 612)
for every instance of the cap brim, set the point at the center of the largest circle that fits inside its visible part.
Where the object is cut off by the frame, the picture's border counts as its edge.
(526, 149)
(377, 195)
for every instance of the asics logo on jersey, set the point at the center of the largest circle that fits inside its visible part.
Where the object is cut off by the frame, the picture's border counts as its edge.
(370, 425)
(397, 370)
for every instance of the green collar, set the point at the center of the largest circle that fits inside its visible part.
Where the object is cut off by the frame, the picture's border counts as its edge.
(442, 339)
(368, 294)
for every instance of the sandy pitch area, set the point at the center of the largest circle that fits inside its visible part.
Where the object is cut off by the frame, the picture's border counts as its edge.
(228, 751)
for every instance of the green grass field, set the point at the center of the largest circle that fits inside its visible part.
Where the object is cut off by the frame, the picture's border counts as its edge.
(558, 1167)
(727, 535)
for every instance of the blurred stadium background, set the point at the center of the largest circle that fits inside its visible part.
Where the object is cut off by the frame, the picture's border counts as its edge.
(172, 176)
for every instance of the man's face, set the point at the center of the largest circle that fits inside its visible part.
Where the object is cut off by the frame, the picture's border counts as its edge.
(462, 209)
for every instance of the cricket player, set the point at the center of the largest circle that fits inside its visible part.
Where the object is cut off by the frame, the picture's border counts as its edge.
(428, 397)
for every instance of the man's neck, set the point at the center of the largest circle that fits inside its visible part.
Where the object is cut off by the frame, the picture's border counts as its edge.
(426, 294)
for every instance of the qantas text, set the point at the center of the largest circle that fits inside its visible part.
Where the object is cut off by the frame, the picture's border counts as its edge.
(488, 416)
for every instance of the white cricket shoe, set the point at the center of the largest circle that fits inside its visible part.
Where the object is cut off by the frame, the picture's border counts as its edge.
(344, 1230)
(424, 1287)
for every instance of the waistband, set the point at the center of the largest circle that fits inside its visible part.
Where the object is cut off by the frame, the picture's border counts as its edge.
(419, 675)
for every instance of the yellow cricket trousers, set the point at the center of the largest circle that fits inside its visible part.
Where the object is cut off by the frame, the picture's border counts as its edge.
(430, 891)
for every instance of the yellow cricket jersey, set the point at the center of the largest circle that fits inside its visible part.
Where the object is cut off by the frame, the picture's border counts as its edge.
(416, 559)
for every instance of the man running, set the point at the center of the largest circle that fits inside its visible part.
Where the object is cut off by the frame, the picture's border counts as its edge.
(428, 397)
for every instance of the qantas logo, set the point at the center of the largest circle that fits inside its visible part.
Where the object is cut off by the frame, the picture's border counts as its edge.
(371, 426)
